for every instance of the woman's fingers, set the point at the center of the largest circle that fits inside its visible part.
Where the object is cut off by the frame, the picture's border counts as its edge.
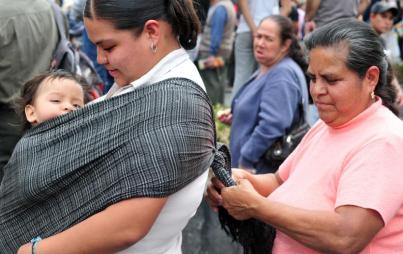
(213, 197)
(238, 200)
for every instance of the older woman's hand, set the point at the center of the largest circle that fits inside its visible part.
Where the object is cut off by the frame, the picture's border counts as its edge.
(213, 197)
(242, 200)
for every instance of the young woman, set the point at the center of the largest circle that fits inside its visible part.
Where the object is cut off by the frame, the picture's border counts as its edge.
(142, 45)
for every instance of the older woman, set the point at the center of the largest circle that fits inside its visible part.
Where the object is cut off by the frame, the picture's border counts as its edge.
(340, 191)
(267, 105)
(127, 172)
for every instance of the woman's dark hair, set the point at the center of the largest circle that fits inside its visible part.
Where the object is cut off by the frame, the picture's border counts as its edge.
(287, 32)
(133, 14)
(364, 50)
(30, 88)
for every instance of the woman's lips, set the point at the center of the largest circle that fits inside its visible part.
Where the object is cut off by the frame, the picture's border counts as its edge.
(113, 73)
(322, 104)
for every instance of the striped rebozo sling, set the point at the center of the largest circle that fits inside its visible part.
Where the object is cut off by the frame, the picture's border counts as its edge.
(149, 142)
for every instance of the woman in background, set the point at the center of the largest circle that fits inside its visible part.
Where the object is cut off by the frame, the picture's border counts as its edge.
(267, 105)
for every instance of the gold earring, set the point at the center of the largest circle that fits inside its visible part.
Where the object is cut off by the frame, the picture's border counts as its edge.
(372, 95)
(153, 47)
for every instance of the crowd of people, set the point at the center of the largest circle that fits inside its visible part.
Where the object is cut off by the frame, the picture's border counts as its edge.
(126, 172)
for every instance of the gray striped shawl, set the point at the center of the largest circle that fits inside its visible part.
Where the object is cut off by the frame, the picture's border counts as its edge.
(150, 142)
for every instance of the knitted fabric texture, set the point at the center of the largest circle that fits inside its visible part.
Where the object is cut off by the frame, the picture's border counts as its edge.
(150, 142)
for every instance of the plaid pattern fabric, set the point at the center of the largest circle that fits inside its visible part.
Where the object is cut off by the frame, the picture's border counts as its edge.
(150, 142)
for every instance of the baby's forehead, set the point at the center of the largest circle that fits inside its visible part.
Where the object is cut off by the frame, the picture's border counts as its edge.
(60, 85)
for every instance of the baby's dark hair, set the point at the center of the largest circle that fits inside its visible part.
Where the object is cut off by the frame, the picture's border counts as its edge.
(28, 91)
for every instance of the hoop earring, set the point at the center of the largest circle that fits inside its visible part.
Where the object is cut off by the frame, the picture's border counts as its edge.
(153, 47)
(372, 95)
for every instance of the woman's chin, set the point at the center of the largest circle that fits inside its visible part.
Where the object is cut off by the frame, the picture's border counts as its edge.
(121, 82)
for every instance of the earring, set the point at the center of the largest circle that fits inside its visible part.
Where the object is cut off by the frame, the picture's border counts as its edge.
(372, 95)
(153, 47)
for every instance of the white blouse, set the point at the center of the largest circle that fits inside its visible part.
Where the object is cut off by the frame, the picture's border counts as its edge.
(165, 236)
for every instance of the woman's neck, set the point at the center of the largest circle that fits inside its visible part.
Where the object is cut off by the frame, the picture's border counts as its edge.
(264, 68)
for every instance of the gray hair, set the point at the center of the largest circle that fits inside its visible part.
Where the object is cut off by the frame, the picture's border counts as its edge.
(365, 49)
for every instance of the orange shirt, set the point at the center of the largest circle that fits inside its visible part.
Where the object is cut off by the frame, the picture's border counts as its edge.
(360, 164)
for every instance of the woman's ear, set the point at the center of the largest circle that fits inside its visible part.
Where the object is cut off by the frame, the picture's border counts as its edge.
(152, 30)
(372, 77)
(286, 45)
(30, 114)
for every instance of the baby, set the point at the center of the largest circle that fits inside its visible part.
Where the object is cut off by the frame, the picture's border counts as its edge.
(49, 95)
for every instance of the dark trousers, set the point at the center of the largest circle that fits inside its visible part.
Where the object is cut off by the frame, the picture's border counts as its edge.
(10, 133)
(215, 81)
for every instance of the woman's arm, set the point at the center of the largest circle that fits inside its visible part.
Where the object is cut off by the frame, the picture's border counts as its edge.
(264, 184)
(244, 8)
(116, 228)
(286, 6)
(275, 105)
(363, 6)
(311, 8)
(347, 229)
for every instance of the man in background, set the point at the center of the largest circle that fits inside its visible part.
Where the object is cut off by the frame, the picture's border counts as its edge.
(216, 47)
(28, 37)
(322, 12)
(381, 20)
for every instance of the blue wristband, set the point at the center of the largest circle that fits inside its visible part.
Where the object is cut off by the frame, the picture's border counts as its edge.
(34, 242)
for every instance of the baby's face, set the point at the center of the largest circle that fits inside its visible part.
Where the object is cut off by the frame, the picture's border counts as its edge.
(54, 98)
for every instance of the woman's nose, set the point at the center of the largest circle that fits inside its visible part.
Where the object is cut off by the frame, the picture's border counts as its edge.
(258, 41)
(316, 88)
(101, 57)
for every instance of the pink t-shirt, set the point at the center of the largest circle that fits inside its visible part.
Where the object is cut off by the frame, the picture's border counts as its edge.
(359, 163)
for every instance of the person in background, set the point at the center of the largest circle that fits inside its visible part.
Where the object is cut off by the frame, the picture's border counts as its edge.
(301, 17)
(75, 17)
(25, 50)
(340, 190)
(381, 20)
(293, 14)
(322, 12)
(252, 13)
(201, 7)
(267, 105)
(216, 47)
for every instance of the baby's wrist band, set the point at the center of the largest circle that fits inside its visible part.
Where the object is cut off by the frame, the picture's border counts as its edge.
(34, 242)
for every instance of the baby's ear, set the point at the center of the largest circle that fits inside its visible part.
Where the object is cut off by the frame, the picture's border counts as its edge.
(30, 114)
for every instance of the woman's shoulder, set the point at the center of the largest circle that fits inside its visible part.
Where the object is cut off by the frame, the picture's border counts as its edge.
(288, 63)
(388, 125)
(286, 71)
(287, 67)
(377, 126)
